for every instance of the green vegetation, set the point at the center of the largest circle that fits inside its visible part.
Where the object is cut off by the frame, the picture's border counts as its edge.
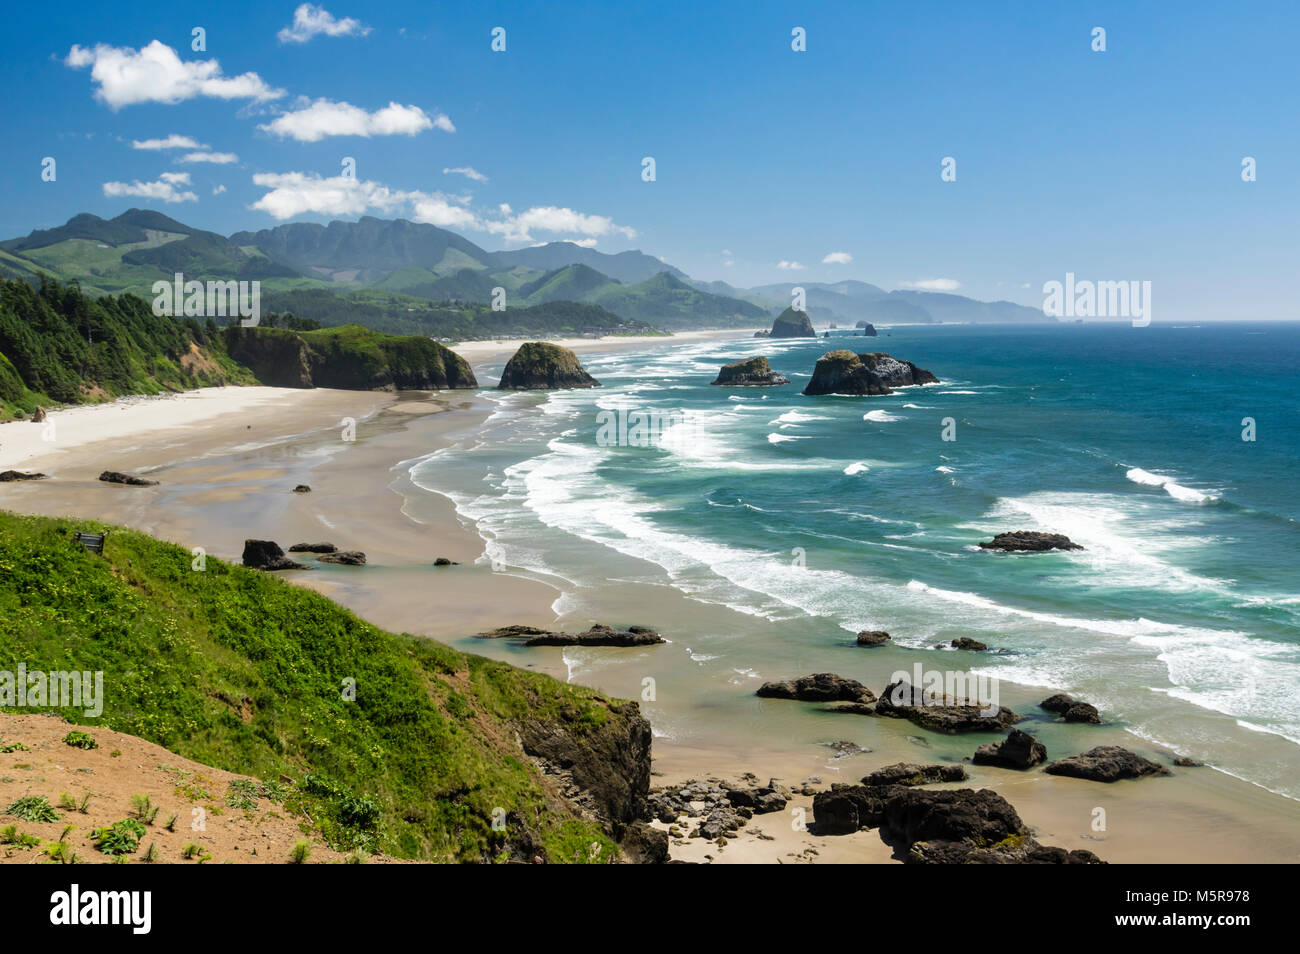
(237, 669)
(34, 808)
(120, 838)
(80, 740)
(58, 345)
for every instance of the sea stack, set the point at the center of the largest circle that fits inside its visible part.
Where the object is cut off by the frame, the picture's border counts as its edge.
(540, 365)
(752, 372)
(868, 329)
(843, 372)
(792, 324)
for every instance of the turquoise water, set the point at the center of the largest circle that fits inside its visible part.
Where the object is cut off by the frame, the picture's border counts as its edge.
(827, 515)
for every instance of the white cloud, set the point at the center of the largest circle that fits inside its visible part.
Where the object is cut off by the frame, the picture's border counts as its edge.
(789, 266)
(549, 218)
(327, 118)
(171, 142)
(219, 158)
(164, 189)
(581, 243)
(218, 190)
(933, 284)
(155, 74)
(469, 172)
(296, 193)
(837, 258)
(310, 20)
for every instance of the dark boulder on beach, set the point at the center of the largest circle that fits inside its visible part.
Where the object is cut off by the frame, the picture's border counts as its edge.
(953, 826)
(1183, 761)
(313, 548)
(541, 365)
(909, 773)
(643, 844)
(443, 561)
(1019, 750)
(819, 687)
(873, 637)
(116, 477)
(302, 489)
(1030, 541)
(941, 713)
(517, 631)
(845, 372)
(345, 557)
(267, 555)
(752, 372)
(965, 642)
(1106, 763)
(9, 476)
(599, 635)
(792, 324)
(1071, 710)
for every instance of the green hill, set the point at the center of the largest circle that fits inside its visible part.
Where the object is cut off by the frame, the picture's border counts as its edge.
(669, 303)
(237, 669)
(59, 345)
(571, 283)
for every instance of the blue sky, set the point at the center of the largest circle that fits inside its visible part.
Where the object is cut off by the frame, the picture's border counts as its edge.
(1115, 165)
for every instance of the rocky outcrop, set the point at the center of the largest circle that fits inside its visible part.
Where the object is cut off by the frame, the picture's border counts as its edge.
(1106, 763)
(349, 357)
(313, 548)
(345, 557)
(1071, 710)
(1019, 750)
(909, 773)
(603, 768)
(443, 561)
(267, 555)
(792, 324)
(597, 635)
(752, 372)
(1019, 541)
(965, 642)
(955, 826)
(868, 329)
(116, 477)
(873, 637)
(721, 807)
(540, 365)
(9, 476)
(819, 687)
(941, 713)
(1184, 761)
(302, 489)
(844, 372)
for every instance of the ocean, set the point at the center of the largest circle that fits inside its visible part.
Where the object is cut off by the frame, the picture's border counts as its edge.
(760, 529)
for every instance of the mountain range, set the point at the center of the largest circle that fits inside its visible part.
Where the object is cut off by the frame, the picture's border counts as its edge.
(406, 277)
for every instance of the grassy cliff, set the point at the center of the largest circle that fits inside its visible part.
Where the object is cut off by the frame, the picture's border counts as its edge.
(237, 669)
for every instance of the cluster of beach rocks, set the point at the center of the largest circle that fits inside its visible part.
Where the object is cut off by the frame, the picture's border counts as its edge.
(713, 809)
(597, 635)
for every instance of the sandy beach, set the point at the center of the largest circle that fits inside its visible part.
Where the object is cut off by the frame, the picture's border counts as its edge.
(227, 460)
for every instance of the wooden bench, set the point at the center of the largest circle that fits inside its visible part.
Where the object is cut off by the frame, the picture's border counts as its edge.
(94, 542)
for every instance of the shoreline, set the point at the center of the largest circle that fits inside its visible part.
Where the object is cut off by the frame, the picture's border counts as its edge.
(228, 461)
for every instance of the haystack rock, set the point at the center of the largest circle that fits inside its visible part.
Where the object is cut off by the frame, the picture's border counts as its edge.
(868, 329)
(792, 324)
(843, 372)
(540, 365)
(750, 373)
